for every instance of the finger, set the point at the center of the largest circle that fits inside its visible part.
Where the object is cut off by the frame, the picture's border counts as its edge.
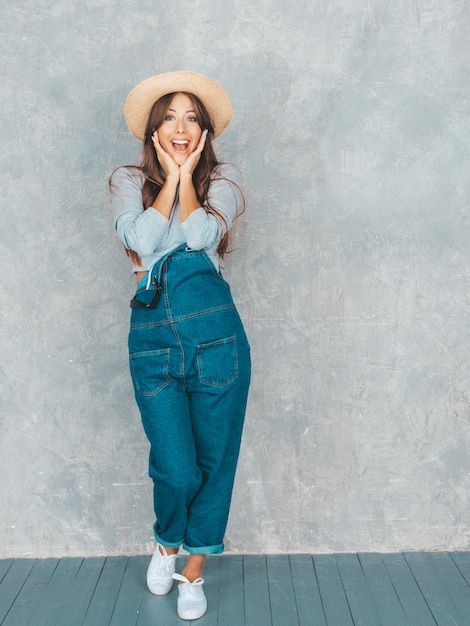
(202, 141)
(156, 143)
(200, 146)
(160, 152)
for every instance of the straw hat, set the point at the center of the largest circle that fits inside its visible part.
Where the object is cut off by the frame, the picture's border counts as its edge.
(140, 100)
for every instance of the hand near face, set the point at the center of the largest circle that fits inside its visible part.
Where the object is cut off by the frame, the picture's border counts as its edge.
(169, 165)
(191, 162)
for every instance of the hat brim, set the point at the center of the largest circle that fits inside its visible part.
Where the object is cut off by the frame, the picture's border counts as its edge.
(141, 99)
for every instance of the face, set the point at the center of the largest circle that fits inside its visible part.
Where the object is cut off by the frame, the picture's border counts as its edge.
(179, 133)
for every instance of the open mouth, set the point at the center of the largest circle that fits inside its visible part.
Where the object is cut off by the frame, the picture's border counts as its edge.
(180, 145)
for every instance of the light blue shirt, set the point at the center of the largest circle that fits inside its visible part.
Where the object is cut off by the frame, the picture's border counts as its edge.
(152, 235)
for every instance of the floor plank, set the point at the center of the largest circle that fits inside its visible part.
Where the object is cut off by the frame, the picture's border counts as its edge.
(57, 593)
(414, 605)
(307, 594)
(81, 592)
(332, 593)
(256, 591)
(360, 601)
(386, 600)
(462, 560)
(127, 608)
(436, 596)
(159, 610)
(453, 582)
(230, 601)
(24, 606)
(101, 607)
(12, 583)
(5, 565)
(281, 591)
(211, 589)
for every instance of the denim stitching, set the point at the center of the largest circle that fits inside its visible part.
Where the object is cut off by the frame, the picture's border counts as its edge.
(182, 318)
(174, 329)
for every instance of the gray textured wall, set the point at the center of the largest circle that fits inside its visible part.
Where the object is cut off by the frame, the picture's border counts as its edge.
(352, 129)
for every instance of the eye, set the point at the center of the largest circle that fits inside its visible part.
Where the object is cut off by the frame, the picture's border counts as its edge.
(192, 119)
(169, 118)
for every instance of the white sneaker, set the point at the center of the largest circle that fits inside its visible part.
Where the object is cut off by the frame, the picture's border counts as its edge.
(192, 603)
(160, 571)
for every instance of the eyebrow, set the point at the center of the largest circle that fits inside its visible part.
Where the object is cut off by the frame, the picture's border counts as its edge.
(189, 110)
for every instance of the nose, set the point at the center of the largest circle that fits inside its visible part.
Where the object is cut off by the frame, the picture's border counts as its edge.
(180, 126)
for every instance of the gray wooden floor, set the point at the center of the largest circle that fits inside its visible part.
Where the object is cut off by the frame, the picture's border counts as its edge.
(364, 589)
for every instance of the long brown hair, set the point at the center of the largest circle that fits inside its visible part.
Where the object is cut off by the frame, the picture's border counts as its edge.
(203, 175)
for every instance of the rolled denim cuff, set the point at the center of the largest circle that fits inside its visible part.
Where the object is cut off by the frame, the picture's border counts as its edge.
(166, 544)
(218, 549)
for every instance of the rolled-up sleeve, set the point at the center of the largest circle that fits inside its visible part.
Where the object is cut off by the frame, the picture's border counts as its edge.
(205, 230)
(139, 230)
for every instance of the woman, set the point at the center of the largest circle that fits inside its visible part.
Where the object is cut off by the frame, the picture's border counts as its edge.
(189, 356)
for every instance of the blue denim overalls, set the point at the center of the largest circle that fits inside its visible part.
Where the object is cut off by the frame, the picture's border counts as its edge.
(190, 366)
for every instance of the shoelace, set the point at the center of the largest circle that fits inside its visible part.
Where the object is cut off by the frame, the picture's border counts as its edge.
(189, 589)
(164, 565)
